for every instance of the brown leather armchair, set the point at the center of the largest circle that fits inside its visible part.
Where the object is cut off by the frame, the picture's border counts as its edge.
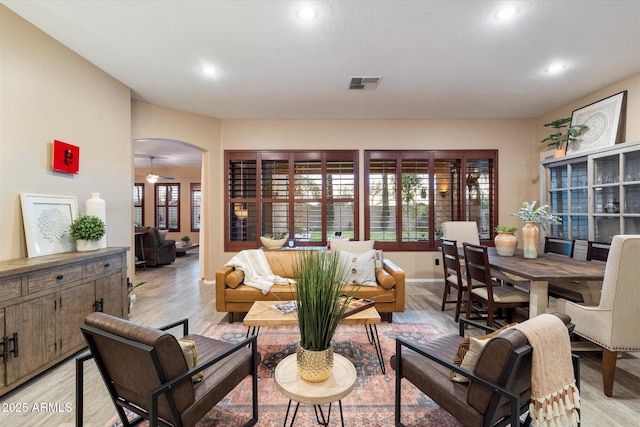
(146, 372)
(152, 248)
(499, 388)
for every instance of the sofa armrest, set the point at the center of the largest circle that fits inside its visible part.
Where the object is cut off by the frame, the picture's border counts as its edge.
(221, 276)
(399, 276)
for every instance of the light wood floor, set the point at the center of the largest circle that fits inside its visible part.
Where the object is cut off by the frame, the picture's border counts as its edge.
(175, 292)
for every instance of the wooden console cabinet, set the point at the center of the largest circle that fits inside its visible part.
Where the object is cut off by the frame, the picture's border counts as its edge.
(43, 302)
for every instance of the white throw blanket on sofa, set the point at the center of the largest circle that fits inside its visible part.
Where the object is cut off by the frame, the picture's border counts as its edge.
(257, 272)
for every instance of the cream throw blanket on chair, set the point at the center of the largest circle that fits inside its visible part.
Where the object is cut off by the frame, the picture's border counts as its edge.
(554, 395)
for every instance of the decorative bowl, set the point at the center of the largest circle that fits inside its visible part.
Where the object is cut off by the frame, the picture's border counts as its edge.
(273, 243)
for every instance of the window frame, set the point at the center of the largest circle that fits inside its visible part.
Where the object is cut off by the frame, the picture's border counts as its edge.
(166, 206)
(464, 157)
(255, 200)
(139, 185)
(195, 187)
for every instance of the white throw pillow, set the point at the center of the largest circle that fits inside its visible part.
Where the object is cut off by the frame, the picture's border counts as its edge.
(355, 247)
(358, 269)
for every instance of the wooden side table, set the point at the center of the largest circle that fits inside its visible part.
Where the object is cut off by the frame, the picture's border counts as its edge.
(338, 385)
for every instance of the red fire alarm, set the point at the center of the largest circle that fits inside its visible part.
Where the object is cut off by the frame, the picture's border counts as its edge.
(66, 157)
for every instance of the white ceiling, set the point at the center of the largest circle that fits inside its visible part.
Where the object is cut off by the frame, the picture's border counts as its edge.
(437, 59)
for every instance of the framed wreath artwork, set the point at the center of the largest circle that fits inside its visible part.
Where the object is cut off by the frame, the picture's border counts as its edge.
(46, 223)
(605, 121)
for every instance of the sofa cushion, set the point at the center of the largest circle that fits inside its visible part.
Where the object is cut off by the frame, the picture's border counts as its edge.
(355, 247)
(386, 280)
(358, 269)
(234, 278)
(282, 262)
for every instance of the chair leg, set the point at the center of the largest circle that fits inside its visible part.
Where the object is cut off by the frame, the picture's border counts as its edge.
(458, 303)
(445, 294)
(608, 370)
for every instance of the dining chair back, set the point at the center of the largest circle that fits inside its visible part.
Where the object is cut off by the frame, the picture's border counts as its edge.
(492, 294)
(597, 251)
(556, 245)
(461, 231)
(452, 274)
(612, 324)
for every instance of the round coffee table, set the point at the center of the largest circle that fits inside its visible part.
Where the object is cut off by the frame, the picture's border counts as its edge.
(337, 386)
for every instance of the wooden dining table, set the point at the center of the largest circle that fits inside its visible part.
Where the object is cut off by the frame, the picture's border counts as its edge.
(548, 267)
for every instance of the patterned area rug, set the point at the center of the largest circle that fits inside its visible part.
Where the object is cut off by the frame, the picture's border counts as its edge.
(371, 403)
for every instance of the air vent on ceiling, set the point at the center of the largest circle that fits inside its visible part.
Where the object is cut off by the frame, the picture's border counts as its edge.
(365, 83)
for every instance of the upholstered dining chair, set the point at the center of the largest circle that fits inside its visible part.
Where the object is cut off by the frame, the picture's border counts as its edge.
(461, 231)
(612, 324)
(493, 295)
(146, 371)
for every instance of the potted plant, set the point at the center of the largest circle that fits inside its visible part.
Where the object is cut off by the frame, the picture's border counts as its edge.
(130, 288)
(505, 241)
(533, 216)
(559, 138)
(87, 230)
(320, 308)
(185, 240)
(273, 240)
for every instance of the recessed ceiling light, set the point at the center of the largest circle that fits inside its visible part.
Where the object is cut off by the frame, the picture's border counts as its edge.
(209, 70)
(555, 68)
(506, 13)
(307, 13)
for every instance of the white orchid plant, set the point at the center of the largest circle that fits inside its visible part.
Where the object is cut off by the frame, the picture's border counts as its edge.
(529, 212)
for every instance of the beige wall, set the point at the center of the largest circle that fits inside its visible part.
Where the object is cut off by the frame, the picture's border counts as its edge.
(49, 92)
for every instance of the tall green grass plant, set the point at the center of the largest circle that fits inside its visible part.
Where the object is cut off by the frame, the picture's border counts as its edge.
(318, 297)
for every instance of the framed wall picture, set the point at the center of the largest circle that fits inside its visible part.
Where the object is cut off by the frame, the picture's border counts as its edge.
(46, 223)
(605, 121)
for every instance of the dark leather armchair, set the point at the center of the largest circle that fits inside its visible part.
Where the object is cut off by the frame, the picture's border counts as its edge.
(146, 372)
(499, 388)
(152, 248)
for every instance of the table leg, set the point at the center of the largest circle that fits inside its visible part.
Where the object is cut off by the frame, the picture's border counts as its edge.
(252, 330)
(286, 417)
(538, 297)
(595, 289)
(374, 339)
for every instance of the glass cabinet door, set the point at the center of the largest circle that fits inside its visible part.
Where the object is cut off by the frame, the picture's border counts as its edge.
(568, 198)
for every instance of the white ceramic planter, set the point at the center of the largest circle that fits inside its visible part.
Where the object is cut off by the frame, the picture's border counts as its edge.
(87, 245)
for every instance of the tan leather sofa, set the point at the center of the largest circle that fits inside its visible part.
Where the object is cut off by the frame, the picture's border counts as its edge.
(233, 296)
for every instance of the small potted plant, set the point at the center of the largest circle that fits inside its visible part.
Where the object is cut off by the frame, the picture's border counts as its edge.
(273, 240)
(506, 241)
(559, 138)
(533, 216)
(87, 230)
(185, 240)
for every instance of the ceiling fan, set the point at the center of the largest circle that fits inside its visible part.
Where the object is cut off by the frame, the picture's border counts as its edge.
(153, 177)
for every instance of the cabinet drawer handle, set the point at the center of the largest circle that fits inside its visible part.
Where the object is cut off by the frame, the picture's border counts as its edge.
(106, 265)
(59, 277)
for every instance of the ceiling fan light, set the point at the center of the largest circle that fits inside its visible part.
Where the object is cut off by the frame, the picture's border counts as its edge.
(152, 178)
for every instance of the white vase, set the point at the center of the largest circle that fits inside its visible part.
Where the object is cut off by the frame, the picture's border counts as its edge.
(530, 239)
(87, 245)
(96, 206)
